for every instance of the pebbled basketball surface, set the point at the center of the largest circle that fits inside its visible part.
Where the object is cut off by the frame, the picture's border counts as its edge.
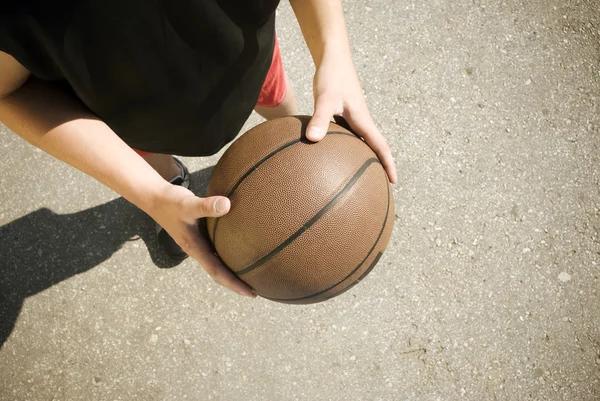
(307, 220)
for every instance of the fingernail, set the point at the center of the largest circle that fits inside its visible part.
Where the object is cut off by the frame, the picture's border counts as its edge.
(246, 294)
(221, 205)
(314, 132)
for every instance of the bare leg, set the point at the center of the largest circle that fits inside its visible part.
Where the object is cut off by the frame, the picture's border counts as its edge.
(163, 164)
(287, 108)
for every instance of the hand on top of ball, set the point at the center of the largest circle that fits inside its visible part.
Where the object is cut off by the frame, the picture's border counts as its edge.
(337, 91)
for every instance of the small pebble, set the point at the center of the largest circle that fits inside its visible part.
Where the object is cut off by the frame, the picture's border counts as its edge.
(564, 277)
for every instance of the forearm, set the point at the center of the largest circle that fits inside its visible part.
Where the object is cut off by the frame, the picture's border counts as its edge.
(323, 27)
(58, 124)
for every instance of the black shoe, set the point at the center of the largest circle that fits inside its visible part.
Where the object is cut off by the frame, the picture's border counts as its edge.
(164, 239)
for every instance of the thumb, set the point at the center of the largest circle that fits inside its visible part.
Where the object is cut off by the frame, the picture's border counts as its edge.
(215, 206)
(319, 123)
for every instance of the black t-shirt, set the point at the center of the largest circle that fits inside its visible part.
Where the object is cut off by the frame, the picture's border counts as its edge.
(167, 76)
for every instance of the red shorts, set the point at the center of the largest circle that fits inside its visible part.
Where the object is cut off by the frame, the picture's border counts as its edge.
(274, 88)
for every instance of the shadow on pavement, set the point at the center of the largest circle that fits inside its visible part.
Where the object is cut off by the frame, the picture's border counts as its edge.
(44, 248)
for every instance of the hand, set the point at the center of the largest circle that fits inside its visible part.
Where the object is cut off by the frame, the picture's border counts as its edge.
(178, 211)
(337, 91)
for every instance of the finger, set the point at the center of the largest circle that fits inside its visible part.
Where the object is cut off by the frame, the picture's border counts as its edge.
(214, 206)
(363, 125)
(201, 251)
(222, 275)
(325, 108)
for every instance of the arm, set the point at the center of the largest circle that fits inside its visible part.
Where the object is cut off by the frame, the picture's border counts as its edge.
(337, 88)
(54, 121)
(51, 120)
(323, 27)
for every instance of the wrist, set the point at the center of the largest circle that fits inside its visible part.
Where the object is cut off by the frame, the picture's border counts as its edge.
(337, 51)
(151, 195)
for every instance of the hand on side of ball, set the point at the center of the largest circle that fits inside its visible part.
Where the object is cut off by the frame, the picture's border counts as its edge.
(337, 91)
(178, 211)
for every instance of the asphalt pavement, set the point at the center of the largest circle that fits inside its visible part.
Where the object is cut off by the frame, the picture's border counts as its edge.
(489, 289)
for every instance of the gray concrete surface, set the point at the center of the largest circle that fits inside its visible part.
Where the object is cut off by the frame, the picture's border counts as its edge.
(489, 289)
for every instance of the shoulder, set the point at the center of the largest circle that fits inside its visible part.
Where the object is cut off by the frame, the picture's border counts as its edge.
(12, 74)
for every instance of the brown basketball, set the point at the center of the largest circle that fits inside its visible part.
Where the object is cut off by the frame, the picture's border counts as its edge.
(307, 220)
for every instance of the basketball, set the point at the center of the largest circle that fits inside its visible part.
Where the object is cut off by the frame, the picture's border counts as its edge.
(308, 220)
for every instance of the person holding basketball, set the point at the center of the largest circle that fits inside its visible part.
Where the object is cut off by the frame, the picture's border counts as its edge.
(115, 88)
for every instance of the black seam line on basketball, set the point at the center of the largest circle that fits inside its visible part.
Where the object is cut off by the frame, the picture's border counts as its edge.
(250, 171)
(261, 161)
(310, 222)
(368, 269)
(387, 213)
(358, 280)
(362, 276)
